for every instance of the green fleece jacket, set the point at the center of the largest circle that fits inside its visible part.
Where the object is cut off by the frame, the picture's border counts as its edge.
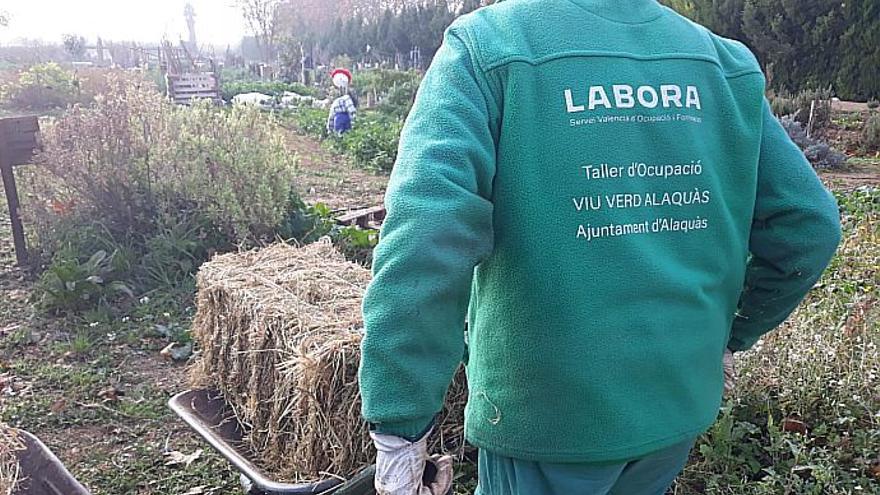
(599, 185)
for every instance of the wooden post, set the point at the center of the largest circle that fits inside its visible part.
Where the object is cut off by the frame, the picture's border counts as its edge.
(14, 209)
(810, 120)
(18, 141)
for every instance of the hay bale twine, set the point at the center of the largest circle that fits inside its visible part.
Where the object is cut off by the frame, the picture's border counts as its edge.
(279, 331)
(10, 444)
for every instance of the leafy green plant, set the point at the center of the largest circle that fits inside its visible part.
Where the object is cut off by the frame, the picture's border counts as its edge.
(182, 241)
(310, 121)
(70, 285)
(372, 142)
(306, 224)
(357, 244)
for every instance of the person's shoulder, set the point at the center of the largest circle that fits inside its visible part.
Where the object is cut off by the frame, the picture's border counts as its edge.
(508, 24)
(733, 56)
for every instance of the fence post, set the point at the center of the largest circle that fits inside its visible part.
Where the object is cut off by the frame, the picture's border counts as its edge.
(14, 207)
(18, 142)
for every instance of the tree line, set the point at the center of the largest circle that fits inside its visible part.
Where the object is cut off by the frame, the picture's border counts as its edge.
(815, 44)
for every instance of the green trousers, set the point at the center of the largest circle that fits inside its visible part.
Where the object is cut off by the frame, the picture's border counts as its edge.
(650, 475)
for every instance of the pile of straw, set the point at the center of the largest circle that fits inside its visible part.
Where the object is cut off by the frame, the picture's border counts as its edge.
(10, 443)
(280, 330)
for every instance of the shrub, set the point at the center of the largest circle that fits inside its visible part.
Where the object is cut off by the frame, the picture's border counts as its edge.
(872, 104)
(781, 104)
(381, 81)
(135, 156)
(372, 142)
(802, 102)
(164, 186)
(399, 100)
(871, 132)
(311, 121)
(41, 87)
(819, 153)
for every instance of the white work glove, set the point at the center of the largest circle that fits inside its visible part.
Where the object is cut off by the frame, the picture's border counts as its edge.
(729, 371)
(400, 466)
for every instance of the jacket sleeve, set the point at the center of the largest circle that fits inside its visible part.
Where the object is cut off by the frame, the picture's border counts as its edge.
(437, 229)
(795, 232)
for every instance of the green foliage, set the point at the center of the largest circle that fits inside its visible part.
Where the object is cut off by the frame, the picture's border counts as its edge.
(381, 81)
(802, 418)
(815, 43)
(399, 100)
(41, 87)
(311, 121)
(683, 7)
(781, 104)
(69, 284)
(161, 186)
(819, 101)
(272, 88)
(135, 156)
(357, 244)
(306, 224)
(390, 33)
(372, 142)
(871, 132)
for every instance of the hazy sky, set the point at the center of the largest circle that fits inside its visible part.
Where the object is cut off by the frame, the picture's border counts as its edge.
(217, 21)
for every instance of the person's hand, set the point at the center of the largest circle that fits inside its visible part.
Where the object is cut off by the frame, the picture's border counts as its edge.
(400, 467)
(729, 371)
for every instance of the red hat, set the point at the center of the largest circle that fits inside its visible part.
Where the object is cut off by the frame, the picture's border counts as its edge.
(346, 72)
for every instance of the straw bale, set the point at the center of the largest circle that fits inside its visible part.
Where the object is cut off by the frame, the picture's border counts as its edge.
(10, 443)
(279, 331)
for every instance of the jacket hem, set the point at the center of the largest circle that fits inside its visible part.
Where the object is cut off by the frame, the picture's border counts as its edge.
(621, 454)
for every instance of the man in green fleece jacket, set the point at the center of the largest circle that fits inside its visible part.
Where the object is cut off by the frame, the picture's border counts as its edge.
(600, 186)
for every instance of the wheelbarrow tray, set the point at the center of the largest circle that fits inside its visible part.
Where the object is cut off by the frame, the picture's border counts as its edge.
(208, 414)
(42, 473)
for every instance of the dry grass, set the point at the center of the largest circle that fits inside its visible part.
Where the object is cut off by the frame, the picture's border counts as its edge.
(9, 468)
(280, 331)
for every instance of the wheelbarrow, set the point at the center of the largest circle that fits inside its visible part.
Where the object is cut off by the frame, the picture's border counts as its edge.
(41, 472)
(208, 414)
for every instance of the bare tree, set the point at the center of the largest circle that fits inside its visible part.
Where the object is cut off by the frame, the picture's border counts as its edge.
(74, 45)
(262, 19)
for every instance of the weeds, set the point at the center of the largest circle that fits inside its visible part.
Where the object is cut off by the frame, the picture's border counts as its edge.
(804, 416)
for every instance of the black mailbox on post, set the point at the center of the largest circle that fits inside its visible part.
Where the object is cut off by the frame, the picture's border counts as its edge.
(19, 139)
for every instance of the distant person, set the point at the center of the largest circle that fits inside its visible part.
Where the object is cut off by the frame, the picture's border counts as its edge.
(601, 188)
(343, 110)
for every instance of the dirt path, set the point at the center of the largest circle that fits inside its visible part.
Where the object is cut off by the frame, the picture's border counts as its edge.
(331, 179)
(860, 172)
